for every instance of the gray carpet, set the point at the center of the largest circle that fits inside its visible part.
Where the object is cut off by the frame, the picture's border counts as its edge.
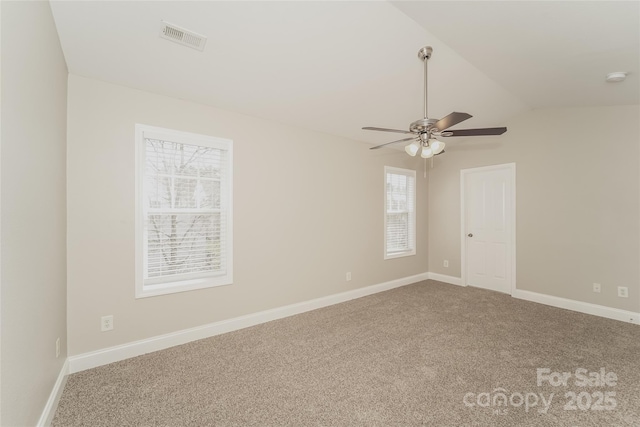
(409, 356)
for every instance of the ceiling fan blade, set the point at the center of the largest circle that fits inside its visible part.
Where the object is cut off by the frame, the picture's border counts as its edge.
(388, 130)
(442, 152)
(392, 142)
(474, 132)
(451, 120)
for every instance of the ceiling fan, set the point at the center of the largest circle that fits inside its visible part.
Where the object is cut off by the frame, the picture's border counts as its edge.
(425, 131)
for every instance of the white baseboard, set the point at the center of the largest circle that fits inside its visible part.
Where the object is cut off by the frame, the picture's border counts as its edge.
(105, 356)
(52, 403)
(579, 306)
(446, 279)
(568, 304)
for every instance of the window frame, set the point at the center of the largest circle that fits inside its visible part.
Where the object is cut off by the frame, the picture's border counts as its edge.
(412, 234)
(203, 280)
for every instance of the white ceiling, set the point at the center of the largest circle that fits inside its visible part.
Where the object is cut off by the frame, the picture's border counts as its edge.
(547, 53)
(337, 66)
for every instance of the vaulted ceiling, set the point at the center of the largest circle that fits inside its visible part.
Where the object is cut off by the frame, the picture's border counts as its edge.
(549, 53)
(337, 66)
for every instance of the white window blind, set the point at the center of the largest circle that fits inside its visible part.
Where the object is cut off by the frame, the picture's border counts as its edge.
(184, 211)
(400, 212)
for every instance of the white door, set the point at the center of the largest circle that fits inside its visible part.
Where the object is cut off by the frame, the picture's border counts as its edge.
(488, 226)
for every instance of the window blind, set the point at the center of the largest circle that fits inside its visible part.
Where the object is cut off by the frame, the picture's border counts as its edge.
(400, 220)
(185, 211)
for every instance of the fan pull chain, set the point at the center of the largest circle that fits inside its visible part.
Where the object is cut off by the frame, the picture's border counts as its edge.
(425, 168)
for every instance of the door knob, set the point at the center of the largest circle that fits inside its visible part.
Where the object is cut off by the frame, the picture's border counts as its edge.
(470, 234)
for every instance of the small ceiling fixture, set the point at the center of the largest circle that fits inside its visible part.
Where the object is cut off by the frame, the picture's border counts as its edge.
(425, 131)
(617, 76)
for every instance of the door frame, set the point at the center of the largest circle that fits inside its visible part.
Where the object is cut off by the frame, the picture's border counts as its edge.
(464, 173)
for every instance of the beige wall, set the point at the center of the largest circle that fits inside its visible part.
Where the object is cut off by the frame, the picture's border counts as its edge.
(577, 201)
(308, 207)
(33, 264)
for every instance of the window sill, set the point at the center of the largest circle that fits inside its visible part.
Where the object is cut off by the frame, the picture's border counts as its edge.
(400, 254)
(182, 286)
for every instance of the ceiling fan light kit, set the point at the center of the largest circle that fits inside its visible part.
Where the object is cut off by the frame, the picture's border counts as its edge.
(425, 131)
(412, 149)
(436, 146)
(427, 152)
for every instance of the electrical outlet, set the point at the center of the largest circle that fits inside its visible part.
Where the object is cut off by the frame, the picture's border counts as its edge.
(446, 263)
(623, 292)
(58, 347)
(348, 276)
(597, 288)
(106, 323)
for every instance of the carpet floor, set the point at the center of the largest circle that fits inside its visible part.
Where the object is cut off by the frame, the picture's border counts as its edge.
(425, 354)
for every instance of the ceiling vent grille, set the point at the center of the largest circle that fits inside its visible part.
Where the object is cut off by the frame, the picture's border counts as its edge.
(182, 36)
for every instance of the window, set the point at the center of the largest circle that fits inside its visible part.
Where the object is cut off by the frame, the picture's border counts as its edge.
(183, 211)
(400, 212)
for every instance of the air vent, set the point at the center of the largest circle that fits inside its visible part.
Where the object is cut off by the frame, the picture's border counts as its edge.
(182, 36)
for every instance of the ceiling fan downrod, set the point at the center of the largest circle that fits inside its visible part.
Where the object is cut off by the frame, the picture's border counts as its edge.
(425, 54)
(423, 125)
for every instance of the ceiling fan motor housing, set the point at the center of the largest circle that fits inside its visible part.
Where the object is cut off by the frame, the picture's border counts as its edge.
(422, 125)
